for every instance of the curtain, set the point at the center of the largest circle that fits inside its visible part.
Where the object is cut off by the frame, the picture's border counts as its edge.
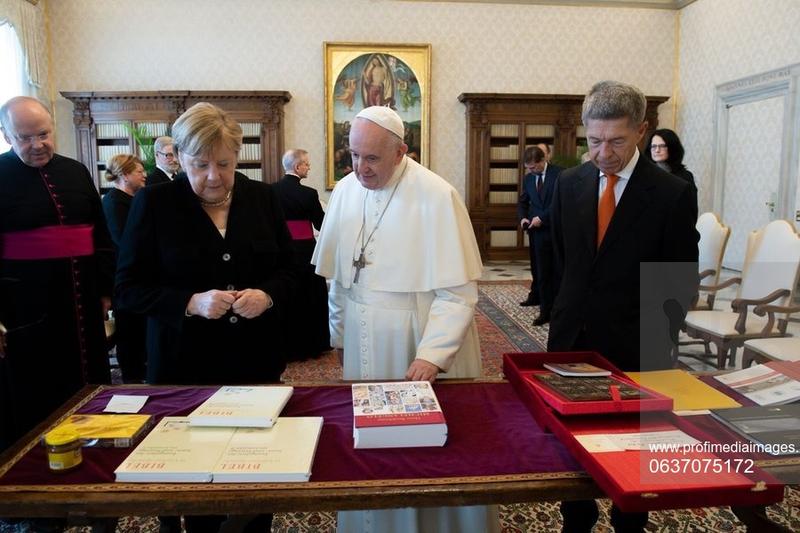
(27, 20)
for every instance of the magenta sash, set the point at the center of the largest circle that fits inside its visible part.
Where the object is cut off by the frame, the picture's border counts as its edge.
(48, 242)
(300, 229)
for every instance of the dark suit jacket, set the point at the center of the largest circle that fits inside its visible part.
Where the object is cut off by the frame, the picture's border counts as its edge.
(300, 203)
(171, 250)
(533, 204)
(597, 306)
(157, 176)
(116, 205)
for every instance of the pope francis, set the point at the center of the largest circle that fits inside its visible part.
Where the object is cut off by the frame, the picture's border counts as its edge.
(399, 249)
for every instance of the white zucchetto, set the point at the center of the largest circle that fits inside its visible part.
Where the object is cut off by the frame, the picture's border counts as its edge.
(384, 117)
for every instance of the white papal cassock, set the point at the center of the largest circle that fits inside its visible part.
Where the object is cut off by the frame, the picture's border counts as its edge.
(414, 299)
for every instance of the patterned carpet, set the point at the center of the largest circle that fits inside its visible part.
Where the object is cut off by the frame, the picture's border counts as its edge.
(504, 326)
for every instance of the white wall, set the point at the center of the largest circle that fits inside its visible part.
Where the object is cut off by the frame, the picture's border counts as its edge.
(721, 41)
(277, 45)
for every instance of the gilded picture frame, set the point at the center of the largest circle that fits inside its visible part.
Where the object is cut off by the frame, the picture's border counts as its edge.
(361, 74)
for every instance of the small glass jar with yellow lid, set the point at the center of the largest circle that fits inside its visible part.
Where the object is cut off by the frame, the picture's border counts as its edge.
(63, 450)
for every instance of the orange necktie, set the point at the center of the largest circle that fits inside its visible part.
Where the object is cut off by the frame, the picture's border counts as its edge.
(605, 209)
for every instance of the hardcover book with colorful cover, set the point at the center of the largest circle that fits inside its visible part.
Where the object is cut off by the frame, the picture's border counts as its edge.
(117, 431)
(242, 406)
(397, 415)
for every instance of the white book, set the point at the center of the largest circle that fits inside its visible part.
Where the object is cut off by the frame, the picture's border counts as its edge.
(282, 453)
(764, 384)
(175, 452)
(403, 414)
(241, 406)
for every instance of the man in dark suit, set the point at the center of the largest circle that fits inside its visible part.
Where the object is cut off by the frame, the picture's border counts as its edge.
(612, 216)
(534, 214)
(301, 207)
(167, 165)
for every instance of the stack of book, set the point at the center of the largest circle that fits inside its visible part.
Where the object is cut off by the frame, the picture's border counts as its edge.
(234, 436)
(403, 414)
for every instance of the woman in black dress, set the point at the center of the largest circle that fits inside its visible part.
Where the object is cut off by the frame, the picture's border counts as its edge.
(126, 173)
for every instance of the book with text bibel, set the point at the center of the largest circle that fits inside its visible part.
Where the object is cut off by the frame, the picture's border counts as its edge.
(404, 414)
(177, 452)
(776, 428)
(104, 430)
(242, 406)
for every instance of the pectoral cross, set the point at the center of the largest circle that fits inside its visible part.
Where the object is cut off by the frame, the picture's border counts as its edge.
(359, 263)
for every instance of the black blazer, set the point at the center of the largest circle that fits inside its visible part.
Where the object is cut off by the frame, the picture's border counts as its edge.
(116, 205)
(157, 176)
(300, 203)
(532, 204)
(171, 250)
(598, 303)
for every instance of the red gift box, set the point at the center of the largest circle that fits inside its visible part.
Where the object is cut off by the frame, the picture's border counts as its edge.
(526, 365)
(641, 480)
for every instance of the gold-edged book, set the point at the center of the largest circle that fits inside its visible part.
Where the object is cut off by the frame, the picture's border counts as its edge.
(687, 392)
(106, 430)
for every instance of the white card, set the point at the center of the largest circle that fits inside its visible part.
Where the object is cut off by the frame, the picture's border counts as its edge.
(125, 403)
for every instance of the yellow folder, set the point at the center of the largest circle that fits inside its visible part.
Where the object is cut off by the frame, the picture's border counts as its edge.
(687, 392)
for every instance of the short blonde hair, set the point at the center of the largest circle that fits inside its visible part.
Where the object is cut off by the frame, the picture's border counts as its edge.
(204, 126)
(121, 164)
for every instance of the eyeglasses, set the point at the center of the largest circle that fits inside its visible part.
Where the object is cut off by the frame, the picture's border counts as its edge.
(658, 146)
(168, 155)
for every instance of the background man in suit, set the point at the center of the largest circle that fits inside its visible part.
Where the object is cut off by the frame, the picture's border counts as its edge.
(534, 214)
(301, 207)
(167, 165)
(609, 216)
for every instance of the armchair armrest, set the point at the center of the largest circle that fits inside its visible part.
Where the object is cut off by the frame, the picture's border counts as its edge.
(727, 283)
(771, 310)
(739, 305)
(706, 273)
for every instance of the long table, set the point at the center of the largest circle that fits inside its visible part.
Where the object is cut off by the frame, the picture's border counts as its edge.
(495, 454)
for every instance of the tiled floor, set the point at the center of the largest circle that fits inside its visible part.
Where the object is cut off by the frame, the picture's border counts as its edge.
(520, 271)
(506, 271)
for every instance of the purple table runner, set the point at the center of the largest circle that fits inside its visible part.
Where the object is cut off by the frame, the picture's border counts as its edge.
(491, 433)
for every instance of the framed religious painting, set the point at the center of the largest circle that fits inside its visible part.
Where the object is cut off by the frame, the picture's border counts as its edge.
(359, 75)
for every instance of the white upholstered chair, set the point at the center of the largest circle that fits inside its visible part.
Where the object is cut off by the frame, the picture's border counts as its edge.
(768, 278)
(772, 348)
(713, 240)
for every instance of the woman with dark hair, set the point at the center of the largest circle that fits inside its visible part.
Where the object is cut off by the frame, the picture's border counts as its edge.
(664, 148)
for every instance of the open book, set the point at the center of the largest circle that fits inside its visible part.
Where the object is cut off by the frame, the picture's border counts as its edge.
(176, 451)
